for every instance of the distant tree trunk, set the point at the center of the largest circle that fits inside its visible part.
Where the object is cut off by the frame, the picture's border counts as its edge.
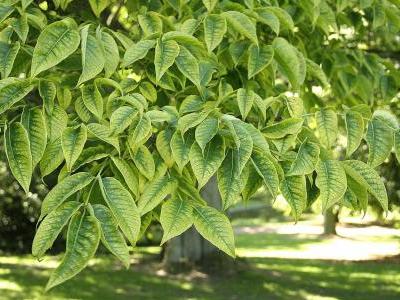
(330, 220)
(191, 248)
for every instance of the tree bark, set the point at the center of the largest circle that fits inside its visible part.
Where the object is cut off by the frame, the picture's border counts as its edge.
(330, 221)
(191, 249)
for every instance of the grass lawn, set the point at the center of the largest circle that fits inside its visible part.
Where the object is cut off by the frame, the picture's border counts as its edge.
(256, 277)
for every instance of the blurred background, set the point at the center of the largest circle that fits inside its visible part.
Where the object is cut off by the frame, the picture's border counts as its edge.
(342, 255)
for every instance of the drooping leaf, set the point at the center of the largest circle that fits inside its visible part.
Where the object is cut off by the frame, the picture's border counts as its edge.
(166, 52)
(176, 217)
(130, 177)
(54, 44)
(215, 227)
(245, 99)
(294, 191)
(82, 241)
(205, 131)
(180, 146)
(111, 237)
(163, 146)
(122, 118)
(34, 123)
(47, 90)
(379, 138)
(242, 24)
(19, 154)
(188, 65)
(368, 178)
(259, 58)
(137, 52)
(13, 92)
(327, 125)
(122, 206)
(397, 144)
(111, 53)
(331, 181)
(355, 131)
(214, 31)
(141, 131)
(8, 53)
(229, 179)
(210, 4)
(265, 167)
(93, 100)
(205, 163)
(144, 161)
(63, 190)
(92, 56)
(56, 123)
(155, 192)
(283, 128)
(51, 227)
(73, 141)
(306, 159)
(103, 133)
(53, 156)
(98, 6)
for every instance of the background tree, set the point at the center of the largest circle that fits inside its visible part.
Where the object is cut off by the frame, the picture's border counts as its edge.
(136, 110)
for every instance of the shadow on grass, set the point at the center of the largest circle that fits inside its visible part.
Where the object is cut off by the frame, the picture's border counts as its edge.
(258, 278)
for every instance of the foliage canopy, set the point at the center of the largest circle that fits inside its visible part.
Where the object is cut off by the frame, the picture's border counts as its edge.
(135, 105)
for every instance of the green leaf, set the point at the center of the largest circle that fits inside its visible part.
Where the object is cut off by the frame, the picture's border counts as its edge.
(141, 131)
(379, 138)
(368, 178)
(229, 180)
(294, 191)
(245, 99)
(121, 118)
(129, 175)
(166, 52)
(205, 163)
(175, 218)
(242, 24)
(144, 161)
(397, 144)
(122, 206)
(47, 91)
(73, 141)
(56, 123)
(285, 19)
(205, 131)
(54, 44)
(8, 53)
(19, 154)
(98, 6)
(267, 17)
(148, 91)
(215, 227)
(288, 60)
(327, 126)
(93, 100)
(210, 4)
(214, 31)
(51, 227)
(306, 159)
(82, 241)
(137, 52)
(265, 167)
(111, 237)
(283, 128)
(259, 58)
(163, 142)
(63, 190)
(191, 120)
(188, 65)
(13, 92)
(53, 156)
(34, 123)
(155, 192)
(331, 181)
(103, 133)
(111, 53)
(151, 24)
(355, 131)
(92, 56)
(259, 142)
(180, 146)
(91, 154)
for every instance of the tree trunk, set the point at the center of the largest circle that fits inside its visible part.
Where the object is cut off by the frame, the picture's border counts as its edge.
(190, 249)
(330, 220)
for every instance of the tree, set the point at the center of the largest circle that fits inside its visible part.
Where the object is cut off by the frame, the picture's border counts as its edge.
(135, 106)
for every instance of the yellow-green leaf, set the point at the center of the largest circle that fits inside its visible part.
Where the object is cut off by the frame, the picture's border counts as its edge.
(166, 52)
(379, 138)
(259, 58)
(72, 141)
(214, 31)
(327, 126)
(294, 191)
(354, 129)
(306, 159)
(242, 24)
